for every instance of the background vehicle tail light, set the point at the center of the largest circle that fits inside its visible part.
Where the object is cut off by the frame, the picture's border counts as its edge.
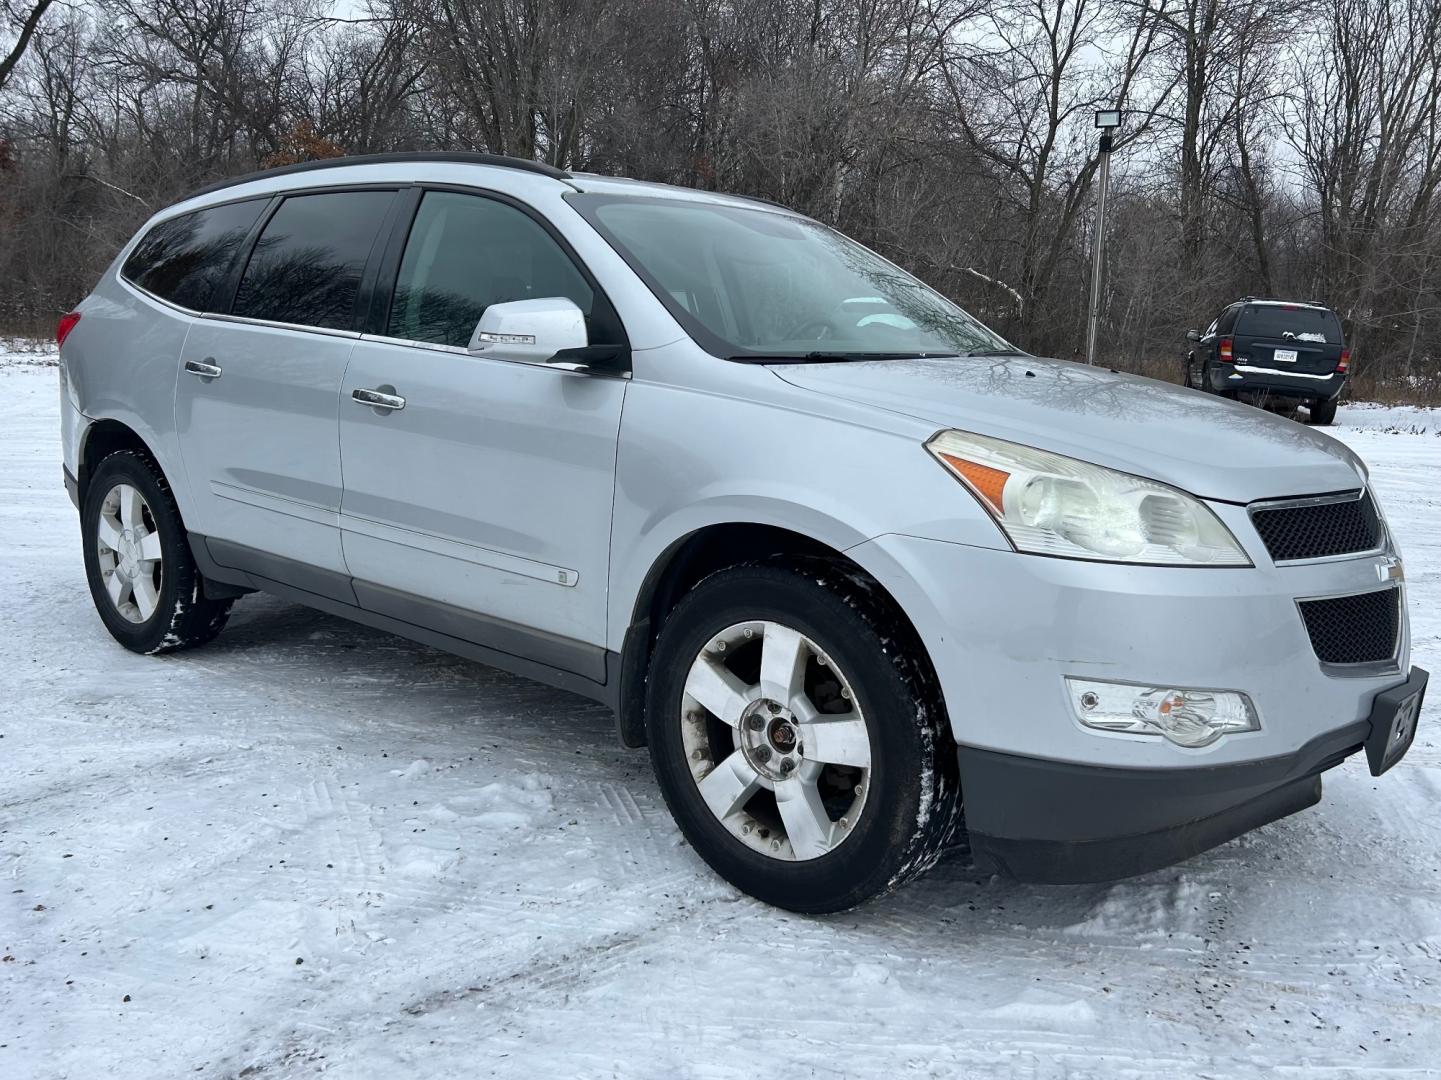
(64, 326)
(1344, 363)
(1224, 353)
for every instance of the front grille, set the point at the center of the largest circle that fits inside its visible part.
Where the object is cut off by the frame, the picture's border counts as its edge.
(1358, 629)
(1308, 529)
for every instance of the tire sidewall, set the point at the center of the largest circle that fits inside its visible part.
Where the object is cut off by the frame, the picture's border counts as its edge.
(130, 468)
(875, 852)
(1323, 413)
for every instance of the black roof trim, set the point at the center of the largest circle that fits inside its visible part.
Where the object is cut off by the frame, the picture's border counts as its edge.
(415, 157)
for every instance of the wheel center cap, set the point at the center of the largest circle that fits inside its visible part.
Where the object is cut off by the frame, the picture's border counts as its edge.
(770, 739)
(782, 735)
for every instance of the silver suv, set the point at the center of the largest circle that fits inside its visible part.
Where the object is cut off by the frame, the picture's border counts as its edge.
(840, 555)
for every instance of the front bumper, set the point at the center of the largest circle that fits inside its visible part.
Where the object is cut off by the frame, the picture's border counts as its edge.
(1045, 797)
(1060, 823)
(1253, 379)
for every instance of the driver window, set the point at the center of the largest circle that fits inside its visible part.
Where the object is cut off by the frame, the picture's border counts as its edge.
(466, 252)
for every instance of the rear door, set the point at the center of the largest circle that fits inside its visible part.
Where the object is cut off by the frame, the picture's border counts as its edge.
(481, 507)
(1292, 338)
(259, 387)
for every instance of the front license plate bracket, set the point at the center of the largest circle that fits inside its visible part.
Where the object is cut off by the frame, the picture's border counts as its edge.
(1393, 722)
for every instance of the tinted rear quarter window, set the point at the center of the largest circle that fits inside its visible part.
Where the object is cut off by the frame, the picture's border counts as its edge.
(307, 264)
(183, 260)
(1298, 323)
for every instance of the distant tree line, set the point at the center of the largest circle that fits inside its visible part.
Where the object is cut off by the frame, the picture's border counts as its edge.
(1270, 147)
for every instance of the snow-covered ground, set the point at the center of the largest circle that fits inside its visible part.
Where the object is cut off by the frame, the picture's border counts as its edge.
(314, 848)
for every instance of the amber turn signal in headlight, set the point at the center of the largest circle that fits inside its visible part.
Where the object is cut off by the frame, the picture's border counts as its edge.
(1048, 504)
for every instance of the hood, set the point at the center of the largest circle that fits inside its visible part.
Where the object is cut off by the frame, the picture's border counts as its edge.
(1206, 445)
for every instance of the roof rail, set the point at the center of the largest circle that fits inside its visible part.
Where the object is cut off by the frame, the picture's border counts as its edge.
(414, 157)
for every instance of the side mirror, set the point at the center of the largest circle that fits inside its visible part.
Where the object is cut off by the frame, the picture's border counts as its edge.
(1193, 335)
(530, 331)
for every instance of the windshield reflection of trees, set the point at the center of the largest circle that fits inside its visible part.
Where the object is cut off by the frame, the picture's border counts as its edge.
(812, 282)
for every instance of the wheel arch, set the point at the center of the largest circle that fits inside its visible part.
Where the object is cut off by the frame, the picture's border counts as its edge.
(695, 556)
(102, 438)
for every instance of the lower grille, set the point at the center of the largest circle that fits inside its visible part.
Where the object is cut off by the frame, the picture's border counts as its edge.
(1361, 629)
(1319, 528)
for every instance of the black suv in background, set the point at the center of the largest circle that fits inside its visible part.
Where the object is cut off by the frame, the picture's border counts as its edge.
(1272, 353)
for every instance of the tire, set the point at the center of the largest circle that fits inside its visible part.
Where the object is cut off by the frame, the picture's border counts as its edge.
(149, 604)
(1323, 413)
(804, 839)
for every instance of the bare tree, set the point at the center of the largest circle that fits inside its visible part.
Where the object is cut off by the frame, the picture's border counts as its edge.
(21, 20)
(1277, 146)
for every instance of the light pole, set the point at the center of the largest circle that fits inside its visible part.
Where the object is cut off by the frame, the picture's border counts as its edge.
(1108, 120)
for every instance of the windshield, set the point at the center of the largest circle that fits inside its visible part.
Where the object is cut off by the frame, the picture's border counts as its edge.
(757, 284)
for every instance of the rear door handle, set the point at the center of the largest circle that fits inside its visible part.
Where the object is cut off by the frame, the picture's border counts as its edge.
(376, 399)
(204, 368)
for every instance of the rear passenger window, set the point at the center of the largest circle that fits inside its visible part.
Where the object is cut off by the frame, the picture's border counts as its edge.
(465, 253)
(306, 266)
(182, 260)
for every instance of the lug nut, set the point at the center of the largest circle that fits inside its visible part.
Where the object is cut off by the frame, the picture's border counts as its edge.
(763, 753)
(775, 707)
(755, 723)
(787, 765)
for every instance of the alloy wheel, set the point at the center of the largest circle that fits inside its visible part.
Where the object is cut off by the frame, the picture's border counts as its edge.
(776, 743)
(131, 561)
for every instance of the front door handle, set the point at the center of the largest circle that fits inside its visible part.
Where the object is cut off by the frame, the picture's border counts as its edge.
(377, 399)
(204, 368)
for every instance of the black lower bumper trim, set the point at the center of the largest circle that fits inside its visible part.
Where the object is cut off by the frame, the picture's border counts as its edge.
(72, 487)
(1071, 862)
(1060, 823)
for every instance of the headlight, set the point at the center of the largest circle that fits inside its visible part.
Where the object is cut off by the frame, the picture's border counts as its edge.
(1053, 505)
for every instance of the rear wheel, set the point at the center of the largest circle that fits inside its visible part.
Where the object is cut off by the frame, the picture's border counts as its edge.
(142, 576)
(801, 746)
(1323, 413)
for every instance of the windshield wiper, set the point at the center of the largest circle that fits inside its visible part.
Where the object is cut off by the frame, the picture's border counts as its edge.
(998, 352)
(818, 357)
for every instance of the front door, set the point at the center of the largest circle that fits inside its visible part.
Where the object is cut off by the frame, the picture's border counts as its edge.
(478, 497)
(257, 401)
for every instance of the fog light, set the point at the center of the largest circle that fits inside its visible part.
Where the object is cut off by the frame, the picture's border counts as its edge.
(1186, 717)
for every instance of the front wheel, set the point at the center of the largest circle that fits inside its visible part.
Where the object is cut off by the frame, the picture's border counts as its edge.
(142, 576)
(798, 736)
